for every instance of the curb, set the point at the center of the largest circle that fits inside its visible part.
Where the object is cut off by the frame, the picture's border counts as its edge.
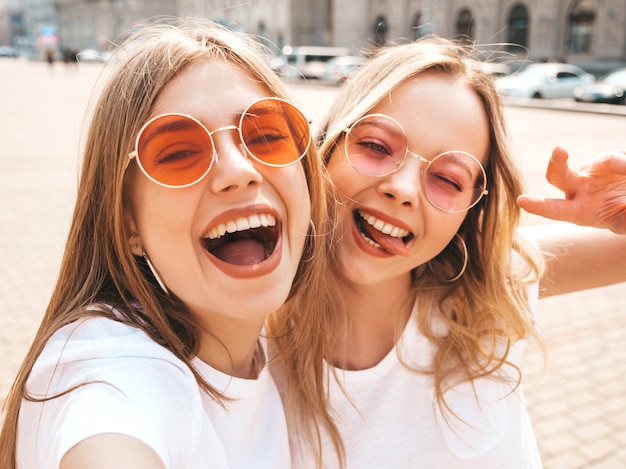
(567, 105)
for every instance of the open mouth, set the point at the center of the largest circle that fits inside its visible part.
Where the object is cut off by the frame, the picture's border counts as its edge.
(245, 240)
(382, 235)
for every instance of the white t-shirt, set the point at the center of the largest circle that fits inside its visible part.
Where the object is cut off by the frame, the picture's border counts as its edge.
(141, 389)
(390, 419)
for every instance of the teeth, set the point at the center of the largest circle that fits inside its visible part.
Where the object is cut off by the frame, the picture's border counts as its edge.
(241, 224)
(385, 228)
(371, 241)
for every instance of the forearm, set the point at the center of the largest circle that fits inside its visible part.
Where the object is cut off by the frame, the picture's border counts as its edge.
(579, 258)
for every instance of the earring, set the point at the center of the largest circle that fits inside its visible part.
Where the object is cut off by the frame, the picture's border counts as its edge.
(312, 234)
(134, 243)
(463, 248)
(154, 272)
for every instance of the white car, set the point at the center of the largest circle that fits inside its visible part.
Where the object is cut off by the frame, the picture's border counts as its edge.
(544, 80)
(341, 68)
(89, 55)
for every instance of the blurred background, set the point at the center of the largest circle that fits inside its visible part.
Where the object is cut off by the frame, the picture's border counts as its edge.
(587, 33)
(550, 66)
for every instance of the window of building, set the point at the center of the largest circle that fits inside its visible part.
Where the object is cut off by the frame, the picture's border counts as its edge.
(580, 22)
(465, 26)
(417, 29)
(261, 29)
(380, 31)
(518, 27)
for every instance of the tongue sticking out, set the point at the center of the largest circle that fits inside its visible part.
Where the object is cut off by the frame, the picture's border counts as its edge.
(390, 244)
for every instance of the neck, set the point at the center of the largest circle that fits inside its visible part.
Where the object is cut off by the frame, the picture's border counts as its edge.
(375, 315)
(233, 348)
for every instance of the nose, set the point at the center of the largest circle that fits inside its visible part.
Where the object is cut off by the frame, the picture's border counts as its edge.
(403, 186)
(232, 170)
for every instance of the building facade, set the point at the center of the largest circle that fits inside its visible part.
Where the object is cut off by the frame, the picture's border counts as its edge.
(591, 33)
(577, 31)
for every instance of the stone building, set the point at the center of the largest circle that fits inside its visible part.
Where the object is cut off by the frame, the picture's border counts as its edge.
(98, 24)
(591, 33)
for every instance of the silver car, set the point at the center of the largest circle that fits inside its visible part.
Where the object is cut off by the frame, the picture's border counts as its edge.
(544, 80)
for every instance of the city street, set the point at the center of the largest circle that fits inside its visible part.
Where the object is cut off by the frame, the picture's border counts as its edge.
(576, 402)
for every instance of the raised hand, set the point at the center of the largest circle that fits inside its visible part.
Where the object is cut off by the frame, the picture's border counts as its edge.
(595, 195)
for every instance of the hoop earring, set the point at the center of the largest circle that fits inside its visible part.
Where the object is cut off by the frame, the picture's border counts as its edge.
(312, 234)
(154, 272)
(314, 231)
(463, 248)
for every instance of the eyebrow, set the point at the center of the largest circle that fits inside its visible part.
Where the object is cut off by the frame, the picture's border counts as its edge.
(172, 124)
(265, 108)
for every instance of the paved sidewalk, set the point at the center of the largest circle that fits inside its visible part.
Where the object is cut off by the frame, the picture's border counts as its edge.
(578, 403)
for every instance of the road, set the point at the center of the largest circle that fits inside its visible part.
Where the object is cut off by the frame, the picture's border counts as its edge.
(576, 403)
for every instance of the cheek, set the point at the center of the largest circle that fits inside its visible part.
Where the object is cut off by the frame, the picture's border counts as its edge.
(344, 177)
(157, 212)
(441, 229)
(302, 198)
(291, 185)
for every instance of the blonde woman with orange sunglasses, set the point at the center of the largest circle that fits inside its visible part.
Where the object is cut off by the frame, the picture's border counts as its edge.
(194, 217)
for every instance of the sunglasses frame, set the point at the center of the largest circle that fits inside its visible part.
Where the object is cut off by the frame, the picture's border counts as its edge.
(400, 163)
(134, 155)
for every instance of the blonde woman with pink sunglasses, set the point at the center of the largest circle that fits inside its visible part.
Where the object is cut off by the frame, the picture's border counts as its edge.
(436, 287)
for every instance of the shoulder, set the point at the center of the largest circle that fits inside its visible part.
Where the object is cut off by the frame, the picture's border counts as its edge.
(100, 337)
(101, 376)
(102, 349)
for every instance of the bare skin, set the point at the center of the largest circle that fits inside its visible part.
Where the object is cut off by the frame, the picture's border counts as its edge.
(96, 453)
(595, 195)
(579, 258)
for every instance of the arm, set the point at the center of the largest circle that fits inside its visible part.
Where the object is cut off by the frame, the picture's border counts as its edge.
(578, 258)
(111, 450)
(594, 196)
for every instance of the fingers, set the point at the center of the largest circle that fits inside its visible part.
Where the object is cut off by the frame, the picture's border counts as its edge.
(559, 174)
(554, 209)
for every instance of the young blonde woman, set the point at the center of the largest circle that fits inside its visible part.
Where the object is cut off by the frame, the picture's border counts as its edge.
(198, 195)
(437, 289)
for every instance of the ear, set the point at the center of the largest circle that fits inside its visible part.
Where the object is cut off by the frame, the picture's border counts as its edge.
(135, 245)
(134, 240)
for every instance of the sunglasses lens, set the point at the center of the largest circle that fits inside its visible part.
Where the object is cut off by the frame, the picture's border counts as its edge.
(175, 150)
(275, 132)
(375, 145)
(454, 181)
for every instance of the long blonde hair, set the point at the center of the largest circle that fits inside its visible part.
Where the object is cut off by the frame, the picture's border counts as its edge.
(98, 267)
(488, 303)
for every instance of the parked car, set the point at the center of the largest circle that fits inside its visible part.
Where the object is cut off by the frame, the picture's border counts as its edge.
(89, 55)
(498, 69)
(341, 68)
(282, 68)
(309, 61)
(544, 80)
(8, 51)
(611, 89)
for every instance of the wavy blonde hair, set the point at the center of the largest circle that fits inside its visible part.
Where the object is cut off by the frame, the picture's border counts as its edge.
(98, 267)
(486, 309)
